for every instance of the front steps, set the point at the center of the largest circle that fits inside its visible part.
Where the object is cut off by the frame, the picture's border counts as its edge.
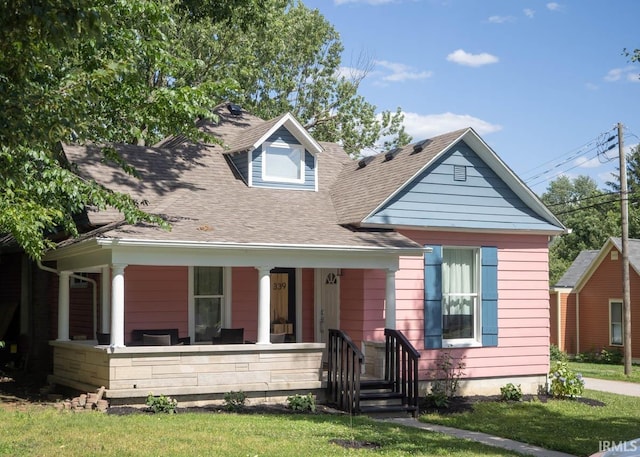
(378, 399)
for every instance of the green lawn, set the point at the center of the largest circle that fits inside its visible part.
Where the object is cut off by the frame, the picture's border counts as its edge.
(46, 432)
(605, 371)
(562, 425)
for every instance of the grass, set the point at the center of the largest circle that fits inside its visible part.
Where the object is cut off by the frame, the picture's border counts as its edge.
(606, 371)
(43, 431)
(562, 425)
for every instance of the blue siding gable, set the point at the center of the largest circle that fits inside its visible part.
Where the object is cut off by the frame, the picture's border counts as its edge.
(241, 162)
(283, 135)
(459, 191)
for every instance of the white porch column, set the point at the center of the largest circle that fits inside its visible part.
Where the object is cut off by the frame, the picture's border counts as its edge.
(105, 308)
(264, 305)
(63, 306)
(390, 308)
(117, 305)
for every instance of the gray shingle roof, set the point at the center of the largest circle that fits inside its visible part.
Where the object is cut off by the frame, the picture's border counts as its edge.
(359, 191)
(195, 188)
(577, 269)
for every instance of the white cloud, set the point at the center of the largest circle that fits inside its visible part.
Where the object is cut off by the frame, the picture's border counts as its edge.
(629, 73)
(553, 6)
(350, 73)
(401, 72)
(472, 60)
(591, 86)
(583, 162)
(529, 13)
(501, 19)
(423, 126)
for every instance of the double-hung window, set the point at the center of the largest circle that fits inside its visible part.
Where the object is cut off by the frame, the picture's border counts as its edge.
(460, 296)
(208, 301)
(615, 323)
(283, 162)
(460, 292)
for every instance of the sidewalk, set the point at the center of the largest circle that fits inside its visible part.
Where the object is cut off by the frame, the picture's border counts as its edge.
(615, 387)
(510, 445)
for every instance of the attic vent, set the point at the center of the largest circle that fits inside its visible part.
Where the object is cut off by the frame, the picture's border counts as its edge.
(420, 146)
(391, 154)
(459, 173)
(236, 110)
(364, 161)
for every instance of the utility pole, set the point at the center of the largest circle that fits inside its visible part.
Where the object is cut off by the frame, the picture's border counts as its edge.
(626, 288)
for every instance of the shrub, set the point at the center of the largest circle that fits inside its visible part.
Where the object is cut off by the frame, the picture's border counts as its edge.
(162, 404)
(555, 354)
(446, 379)
(511, 392)
(234, 401)
(613, 356)
(565, 382)
(299, 402)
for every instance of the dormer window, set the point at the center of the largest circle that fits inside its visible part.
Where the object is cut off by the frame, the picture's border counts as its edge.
(283, 162)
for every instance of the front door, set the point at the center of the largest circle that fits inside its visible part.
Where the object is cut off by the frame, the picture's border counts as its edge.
(329, 301)
(283, 302)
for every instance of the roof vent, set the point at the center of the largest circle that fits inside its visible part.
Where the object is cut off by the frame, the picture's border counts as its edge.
(391, 154)
(234, 109)
(364, 161)
(420, 146)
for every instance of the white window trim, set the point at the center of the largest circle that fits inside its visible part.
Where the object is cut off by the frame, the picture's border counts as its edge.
(226, 301)
(282, 145)
(477, 316)
(612, 301)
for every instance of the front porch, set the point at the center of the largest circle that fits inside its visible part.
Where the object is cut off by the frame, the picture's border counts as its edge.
(193, 373)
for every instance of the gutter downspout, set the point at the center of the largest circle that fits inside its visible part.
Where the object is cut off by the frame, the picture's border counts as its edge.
(577, 322)
(558, 303)
(81, 278)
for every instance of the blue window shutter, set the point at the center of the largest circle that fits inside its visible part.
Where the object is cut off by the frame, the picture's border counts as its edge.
(433, 298)
(489, 296)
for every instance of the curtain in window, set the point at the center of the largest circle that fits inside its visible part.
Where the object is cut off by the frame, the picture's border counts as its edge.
(207, 292)
(458, 290)
(616, 323)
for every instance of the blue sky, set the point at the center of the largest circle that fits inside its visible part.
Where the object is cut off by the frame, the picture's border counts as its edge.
(540, 81)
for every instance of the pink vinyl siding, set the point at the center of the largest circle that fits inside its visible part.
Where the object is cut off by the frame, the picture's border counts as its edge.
(362, 295)
(308, 317)
(244, 301)
(523, 304)
(156, 297)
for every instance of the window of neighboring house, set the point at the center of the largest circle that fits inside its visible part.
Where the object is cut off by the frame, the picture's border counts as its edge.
(460, 296)
(283, 162)
(615, 319)
(208, 301)
(460, 292)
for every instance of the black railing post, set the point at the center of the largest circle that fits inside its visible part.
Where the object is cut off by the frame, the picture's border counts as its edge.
(343, 377)
(401, 368)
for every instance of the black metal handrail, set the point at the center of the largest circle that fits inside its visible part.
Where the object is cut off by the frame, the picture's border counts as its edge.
(401, 367)
(343, 377)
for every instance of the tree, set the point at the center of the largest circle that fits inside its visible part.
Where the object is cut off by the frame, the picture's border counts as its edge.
(290, 61)
(136, 71)
(589, 212)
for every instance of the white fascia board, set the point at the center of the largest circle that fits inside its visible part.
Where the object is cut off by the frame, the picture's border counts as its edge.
(410, 180)
(150, 252)
(296, 129)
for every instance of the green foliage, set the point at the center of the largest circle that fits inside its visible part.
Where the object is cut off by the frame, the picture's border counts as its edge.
(234, 401)
(613, 356)
(299, 402)
(511, 392)
(555, 354)
(161, 404)
(565, 383)
(445, 379)
(591, 214)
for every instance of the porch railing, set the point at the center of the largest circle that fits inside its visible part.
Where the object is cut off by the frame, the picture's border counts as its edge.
(343, 376)
(401, 367)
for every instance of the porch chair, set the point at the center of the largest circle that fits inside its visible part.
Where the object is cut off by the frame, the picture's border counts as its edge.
(103, 338)
(278, 337)
(229, 336)
(156, 340)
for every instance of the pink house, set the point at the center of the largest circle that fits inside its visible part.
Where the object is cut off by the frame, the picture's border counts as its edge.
(436, 246)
